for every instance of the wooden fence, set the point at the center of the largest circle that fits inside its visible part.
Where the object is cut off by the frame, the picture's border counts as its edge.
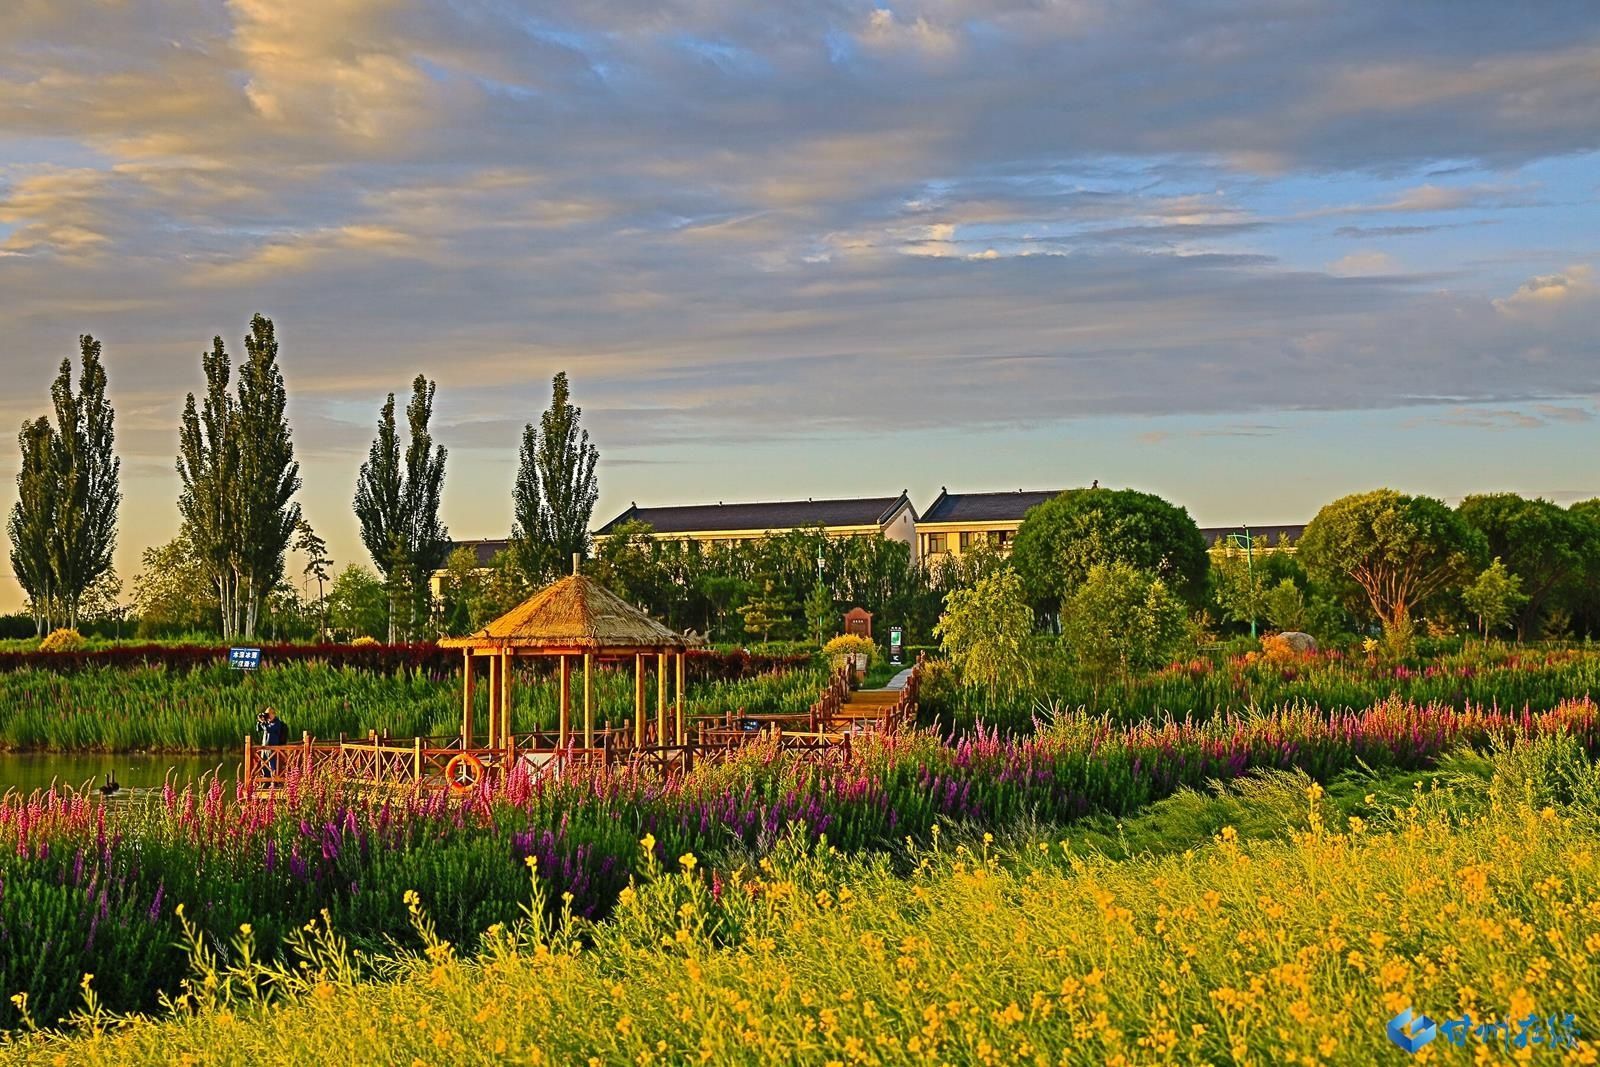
(821, 734)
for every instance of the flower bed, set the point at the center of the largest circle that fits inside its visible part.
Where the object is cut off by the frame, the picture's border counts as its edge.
(87, 888)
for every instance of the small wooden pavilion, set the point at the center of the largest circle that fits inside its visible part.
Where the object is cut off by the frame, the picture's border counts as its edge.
(581, 623)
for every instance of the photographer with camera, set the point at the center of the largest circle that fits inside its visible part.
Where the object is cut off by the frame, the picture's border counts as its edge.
(273, 732)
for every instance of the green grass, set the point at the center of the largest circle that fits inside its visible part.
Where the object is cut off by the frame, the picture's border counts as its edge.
(101, 709)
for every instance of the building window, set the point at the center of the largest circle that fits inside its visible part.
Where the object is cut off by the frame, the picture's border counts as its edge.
(966, 540)
(936, 543)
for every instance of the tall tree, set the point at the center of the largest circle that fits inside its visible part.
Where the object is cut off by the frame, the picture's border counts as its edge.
(239, 476)
(269, 477)
(315, 549)
(33, 519)
(87, 473)
(555, 491)
(208, 467)
(426, 538)
(397, 505)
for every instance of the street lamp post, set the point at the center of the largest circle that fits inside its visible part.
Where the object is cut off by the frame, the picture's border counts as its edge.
(1248, 543)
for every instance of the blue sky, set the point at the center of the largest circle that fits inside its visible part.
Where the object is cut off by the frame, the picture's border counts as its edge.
(1249, 255)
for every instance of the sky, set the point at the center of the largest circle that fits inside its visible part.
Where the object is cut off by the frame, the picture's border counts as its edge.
(1248, 255)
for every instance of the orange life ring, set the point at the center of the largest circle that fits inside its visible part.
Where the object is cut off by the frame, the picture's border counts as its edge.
(458, 781)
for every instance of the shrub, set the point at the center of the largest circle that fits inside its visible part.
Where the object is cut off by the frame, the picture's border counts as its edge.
(364, 642)
(850, 645)
(1123, 620)
(986, 631)
(63, 641)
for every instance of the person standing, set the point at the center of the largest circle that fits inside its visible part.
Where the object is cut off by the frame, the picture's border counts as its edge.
(273, 732)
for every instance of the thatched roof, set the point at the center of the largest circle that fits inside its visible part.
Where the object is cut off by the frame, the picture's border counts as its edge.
(574, 614)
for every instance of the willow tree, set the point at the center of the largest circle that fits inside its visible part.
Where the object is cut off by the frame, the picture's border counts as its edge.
(555, 492)
(397, 505)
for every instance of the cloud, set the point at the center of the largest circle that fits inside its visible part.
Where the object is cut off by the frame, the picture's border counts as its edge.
(738, 222)
(1502, 419)
(1357, 263)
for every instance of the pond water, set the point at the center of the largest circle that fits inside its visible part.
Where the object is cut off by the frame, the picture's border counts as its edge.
(27, 771)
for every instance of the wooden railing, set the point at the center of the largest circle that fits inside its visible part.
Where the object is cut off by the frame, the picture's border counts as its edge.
(820, 734)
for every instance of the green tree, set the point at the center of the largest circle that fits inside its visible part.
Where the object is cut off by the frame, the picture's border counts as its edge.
(555, 491)
(1123, 619)
(461, 588)
(208, 470)
(1390, 553)
(626, 562)
(1543, 545)
(33, 521)
(358, 603)
(1494, 597)
(1061, 540)
(822, 615)
(1585, 606)
(269, 477)
(721, 592)
(1285, 606)
(172, 593)
(87, 475)
(985, 630)
(238, 478)
(397, 505)
(766, 610)
(315, 550)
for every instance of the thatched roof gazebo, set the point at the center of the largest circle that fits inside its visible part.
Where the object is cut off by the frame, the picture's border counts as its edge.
(573, 618)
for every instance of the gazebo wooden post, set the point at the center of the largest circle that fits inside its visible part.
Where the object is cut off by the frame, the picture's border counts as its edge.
(638, 700)
(494, 699)
(682, 737)
(661, 698)
(588, 700)
(467, 700)
(564, 728)
(564, 723)
(506, 672)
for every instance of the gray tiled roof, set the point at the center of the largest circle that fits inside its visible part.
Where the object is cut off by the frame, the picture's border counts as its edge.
(776, 515)
(986, 507)
(1271, 535)
(486, 549)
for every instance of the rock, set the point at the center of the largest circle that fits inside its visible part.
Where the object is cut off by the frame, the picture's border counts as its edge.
(1302, 643)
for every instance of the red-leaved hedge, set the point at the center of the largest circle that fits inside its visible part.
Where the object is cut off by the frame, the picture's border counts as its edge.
(703, 665)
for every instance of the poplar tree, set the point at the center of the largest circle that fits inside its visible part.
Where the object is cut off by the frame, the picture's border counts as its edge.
(397, 505)
(555, 491)
(269, 477)
(63, 527)
(32, 520)
(239, 476)
(208, 467)
(88, 474)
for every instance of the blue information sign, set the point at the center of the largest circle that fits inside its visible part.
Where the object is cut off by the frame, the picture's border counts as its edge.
(244, 659)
